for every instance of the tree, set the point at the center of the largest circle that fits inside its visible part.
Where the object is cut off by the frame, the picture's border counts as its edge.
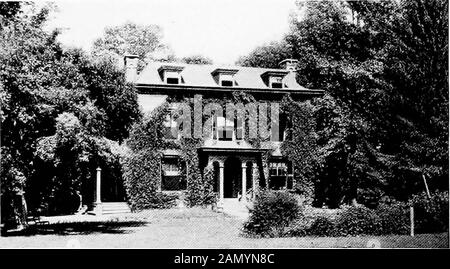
(196, 59)
(40, 82)
(131, 38)
(384, 65)
(267, 56)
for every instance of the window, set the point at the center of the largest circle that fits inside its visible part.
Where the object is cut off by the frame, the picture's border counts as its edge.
(274, 79)
(224, 77)
(227, 83)
(278, 175)
(171, 74)
(226, 133)
(223, 129)
(173, 80)
(172, 178)
(276, 82)
(277, 169)
(169, 124)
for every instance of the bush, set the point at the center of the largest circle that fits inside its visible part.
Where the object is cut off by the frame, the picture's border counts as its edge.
(358, 220)
(322, 226)
(272, 212)
(431, 215)
(160, 200)
(394, 217)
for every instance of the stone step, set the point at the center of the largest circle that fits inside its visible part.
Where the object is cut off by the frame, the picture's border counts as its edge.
(115, 208)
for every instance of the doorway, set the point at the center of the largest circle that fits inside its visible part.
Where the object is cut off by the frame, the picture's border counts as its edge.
(232, 177)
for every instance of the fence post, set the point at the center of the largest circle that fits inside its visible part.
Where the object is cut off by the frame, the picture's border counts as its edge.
(411, 219)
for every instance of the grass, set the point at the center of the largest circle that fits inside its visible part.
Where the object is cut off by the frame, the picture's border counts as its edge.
(191, 228)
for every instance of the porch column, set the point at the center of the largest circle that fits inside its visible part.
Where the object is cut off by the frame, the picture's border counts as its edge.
(244, 182)
(221, 185)
(98, 199)
(98, 187)
(254, 179)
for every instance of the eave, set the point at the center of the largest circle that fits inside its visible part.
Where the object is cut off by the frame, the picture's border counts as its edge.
(166, 89)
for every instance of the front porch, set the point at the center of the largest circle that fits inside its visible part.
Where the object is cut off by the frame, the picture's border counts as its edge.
(238, 173)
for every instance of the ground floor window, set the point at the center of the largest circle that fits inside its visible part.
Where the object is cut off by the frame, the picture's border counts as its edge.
(280, 175)
(172, 176)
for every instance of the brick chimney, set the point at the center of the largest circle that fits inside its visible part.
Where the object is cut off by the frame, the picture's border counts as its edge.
(130, 62)
(289, 64)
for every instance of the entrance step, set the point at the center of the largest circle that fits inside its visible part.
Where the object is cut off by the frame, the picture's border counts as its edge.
(115, 208)
(234, 207)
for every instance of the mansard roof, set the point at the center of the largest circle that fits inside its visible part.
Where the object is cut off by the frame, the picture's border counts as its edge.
(194, 76)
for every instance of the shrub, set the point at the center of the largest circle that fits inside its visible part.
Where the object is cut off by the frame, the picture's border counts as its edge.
(141, 176)
(160, 200)
(271, 213)
(322, 226)
(394, 217)
(431, 215)
(358, 220)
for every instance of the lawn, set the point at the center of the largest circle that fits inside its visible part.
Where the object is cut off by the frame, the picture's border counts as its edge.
(190, 228)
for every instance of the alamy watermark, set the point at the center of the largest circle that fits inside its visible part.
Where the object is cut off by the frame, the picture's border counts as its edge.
(252, 120)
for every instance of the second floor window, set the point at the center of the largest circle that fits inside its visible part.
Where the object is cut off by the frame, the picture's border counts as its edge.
(223, 129)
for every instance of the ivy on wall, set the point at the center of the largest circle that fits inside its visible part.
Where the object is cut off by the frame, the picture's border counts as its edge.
(142, 169)
(301, 144)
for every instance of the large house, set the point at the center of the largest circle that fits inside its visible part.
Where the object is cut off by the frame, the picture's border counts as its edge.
(239, 167)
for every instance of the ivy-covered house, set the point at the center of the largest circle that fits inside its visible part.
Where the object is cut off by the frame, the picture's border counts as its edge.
(236, 162)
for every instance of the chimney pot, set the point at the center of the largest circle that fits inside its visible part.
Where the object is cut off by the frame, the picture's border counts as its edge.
(289, 64)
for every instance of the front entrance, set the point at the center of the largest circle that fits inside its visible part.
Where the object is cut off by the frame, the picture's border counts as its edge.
(232, 177)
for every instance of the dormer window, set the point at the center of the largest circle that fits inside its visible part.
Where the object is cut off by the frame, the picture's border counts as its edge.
(274, 79)
(225, 77)
(276, 82)
(171, 74)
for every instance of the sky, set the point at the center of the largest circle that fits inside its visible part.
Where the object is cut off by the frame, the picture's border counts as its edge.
(222, 30)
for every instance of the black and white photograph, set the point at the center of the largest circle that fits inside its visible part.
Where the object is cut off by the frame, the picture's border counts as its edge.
(247, 125)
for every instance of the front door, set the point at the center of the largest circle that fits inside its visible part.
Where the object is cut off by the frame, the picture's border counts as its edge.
(232, 177)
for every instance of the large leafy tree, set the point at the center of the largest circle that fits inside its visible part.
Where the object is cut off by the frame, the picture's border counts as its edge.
(268, 56)
(131, 38)
(39, 83)
(384, 122)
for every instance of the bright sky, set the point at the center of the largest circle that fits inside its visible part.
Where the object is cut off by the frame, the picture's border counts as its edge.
(222, 30)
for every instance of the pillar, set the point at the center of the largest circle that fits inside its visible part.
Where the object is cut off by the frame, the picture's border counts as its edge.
(244, 182)
(221, 188)
(98, 199)
(255, 179)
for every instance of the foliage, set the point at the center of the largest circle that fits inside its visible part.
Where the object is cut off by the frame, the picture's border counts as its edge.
(142, 165)
(431, 214)
(73, 154)
(322, 226)
(196, 59)
(272, 212)
(301, 144)
(358, 220)
(383, 124)
(394, 217)
(200, 185)
(58, 100)
(267, 56)
(130, 38)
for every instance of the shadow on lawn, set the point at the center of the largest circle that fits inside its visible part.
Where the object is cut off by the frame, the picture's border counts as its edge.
(74, 228)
